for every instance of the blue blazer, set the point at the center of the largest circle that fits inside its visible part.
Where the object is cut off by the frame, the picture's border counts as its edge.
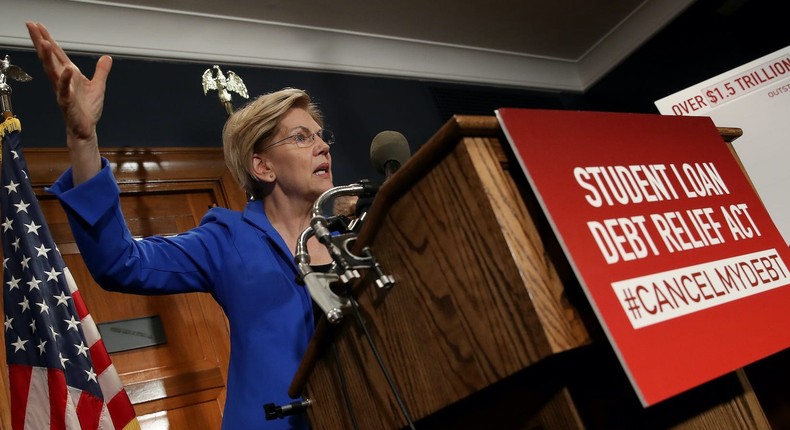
(237, 257)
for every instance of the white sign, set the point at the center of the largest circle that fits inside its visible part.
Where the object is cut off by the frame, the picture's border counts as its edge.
(755, 98)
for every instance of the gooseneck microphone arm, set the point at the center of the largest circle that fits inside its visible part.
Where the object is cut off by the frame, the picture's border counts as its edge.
(345, 264)
(318, 215)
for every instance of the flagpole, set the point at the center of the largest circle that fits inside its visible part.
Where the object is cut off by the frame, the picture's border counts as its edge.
(9, 124)
(5, 98)
(5, 104)
(8, 70)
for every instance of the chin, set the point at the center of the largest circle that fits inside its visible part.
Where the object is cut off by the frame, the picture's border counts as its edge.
(323, 187)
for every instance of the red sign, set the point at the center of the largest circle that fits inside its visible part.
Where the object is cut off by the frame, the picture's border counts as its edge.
(671, 244)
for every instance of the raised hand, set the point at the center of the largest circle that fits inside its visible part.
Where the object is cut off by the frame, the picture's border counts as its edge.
(80, 99)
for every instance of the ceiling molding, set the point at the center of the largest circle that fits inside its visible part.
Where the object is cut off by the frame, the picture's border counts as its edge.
(125, 31)
(626, 37)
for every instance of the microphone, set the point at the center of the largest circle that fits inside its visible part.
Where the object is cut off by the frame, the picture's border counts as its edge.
(388, 151)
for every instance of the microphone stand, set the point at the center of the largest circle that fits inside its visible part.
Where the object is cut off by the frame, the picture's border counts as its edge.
(345, 264)
(338, 236)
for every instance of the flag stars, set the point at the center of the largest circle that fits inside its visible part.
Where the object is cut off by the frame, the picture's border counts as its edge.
(33, 284)
(8, 224)
(33, 326)
(11, 187)
(13, 283)
(63, 360)
(21, 206)
(25, 261)
(8, 322)
(41, 346)
(91, 375)
(5, 263)
(54, 333)
(42, 251)
(82, 349)
(43, 307)
(73, 323)
(19, 344)
(62, 299)
(52, 275)
(32, 227)
(25, 304)
(16, 244)
(16, 155)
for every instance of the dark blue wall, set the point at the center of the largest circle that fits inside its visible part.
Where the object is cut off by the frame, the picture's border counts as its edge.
(160, 103)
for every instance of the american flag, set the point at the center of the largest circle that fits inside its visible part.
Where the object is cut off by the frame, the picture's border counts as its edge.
(60, 374)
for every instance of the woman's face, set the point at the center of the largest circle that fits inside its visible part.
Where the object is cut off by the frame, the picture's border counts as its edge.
(298, 171)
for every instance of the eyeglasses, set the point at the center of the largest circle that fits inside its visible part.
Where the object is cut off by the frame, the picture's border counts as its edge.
(303, 141)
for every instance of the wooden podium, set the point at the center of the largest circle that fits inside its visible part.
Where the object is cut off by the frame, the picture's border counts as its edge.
(486, 326)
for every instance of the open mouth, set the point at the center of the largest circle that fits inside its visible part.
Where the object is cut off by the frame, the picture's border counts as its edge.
(322, 170)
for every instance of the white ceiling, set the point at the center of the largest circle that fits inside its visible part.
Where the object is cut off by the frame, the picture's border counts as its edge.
(552, 45)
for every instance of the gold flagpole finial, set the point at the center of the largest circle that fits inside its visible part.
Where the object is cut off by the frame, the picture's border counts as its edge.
(214, 79)
(8, 70)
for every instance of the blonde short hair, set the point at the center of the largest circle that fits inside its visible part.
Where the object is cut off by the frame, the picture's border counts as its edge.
(252, 127)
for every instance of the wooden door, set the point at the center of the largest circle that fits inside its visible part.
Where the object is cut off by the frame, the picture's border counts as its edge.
(179, 384)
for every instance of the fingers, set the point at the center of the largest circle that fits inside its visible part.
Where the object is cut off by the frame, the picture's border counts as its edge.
(56, 62)
(45, 49)
(103, 67)
(63, 87)
(36, 35)
(56, 50)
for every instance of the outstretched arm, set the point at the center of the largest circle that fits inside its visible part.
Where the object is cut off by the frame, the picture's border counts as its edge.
(80, 99)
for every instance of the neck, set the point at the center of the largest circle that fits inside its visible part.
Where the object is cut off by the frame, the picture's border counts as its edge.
(288, 216)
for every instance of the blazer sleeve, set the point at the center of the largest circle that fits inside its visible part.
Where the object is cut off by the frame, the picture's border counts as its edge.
(157, 265)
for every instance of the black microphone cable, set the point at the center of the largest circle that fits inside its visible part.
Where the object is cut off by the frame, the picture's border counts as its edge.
(344, 387)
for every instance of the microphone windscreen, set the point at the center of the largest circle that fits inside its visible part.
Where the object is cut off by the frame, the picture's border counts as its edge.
(388, 146)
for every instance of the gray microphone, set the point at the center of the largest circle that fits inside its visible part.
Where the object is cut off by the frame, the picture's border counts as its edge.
(388, 151)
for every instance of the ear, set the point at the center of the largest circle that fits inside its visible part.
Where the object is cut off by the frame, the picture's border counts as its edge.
(262, 168)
